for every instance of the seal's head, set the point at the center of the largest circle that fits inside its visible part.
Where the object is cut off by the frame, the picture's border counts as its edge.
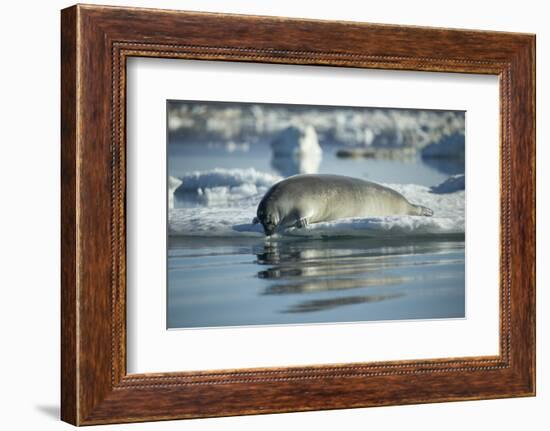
(267, 217)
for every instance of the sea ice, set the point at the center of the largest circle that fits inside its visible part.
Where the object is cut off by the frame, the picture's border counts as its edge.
(230, 197)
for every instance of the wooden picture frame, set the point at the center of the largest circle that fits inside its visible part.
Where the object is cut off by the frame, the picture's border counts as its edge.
(95, 43)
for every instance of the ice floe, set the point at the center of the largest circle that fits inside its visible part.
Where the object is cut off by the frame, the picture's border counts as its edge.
(227, 201)
(450, 185)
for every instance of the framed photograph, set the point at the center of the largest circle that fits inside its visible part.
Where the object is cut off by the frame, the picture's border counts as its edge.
(263, 214)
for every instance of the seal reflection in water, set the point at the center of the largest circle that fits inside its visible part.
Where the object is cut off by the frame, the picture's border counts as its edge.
(303, 199)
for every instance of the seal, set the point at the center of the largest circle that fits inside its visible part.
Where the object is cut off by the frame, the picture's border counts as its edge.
(312, 198)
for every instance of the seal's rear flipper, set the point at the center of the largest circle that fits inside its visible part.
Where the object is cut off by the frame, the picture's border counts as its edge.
(424, 211)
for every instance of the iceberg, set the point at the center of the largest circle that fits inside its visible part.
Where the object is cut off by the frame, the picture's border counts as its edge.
(296, 150)
(296, 140)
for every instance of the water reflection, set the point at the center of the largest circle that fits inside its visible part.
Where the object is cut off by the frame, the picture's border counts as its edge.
(235, 282)
(327, 304)
(310, 267)
(327, 285)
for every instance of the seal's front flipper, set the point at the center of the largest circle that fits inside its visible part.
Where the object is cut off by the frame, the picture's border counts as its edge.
(255, 220)
(302, 222)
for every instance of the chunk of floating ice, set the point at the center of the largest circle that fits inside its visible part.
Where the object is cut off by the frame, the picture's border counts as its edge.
(296, 150)
(213, 222)
(173, 184)
(450, 185)
(223, 186)
(296, 141)
(381, 227)
(227, 178)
